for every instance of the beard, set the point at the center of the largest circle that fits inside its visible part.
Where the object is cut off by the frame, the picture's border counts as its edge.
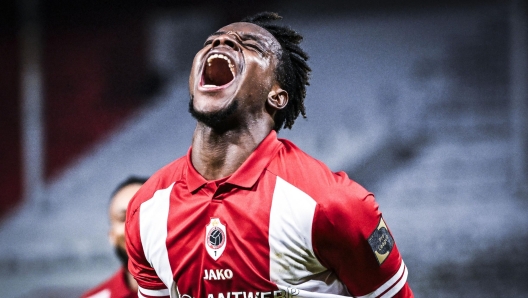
(122, 256)
(215, 120)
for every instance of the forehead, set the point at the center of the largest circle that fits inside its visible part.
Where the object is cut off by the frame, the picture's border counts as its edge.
(257, 32)
(123, 196)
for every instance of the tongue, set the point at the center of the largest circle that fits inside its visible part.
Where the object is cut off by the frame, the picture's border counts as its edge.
(217, 73)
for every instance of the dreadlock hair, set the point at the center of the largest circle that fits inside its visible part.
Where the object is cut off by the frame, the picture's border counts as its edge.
(292, 72)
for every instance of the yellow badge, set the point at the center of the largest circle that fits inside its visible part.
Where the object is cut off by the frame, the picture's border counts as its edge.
(381, 242)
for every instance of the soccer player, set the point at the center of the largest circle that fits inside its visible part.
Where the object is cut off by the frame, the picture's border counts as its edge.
(246, 214)
(122, 284)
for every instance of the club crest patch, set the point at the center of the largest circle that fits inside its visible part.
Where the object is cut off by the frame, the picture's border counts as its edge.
(215, 238)
(381, 242)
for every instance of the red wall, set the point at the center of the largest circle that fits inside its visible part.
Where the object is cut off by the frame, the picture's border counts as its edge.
(10, 148)
(93, 80)
(94, 76)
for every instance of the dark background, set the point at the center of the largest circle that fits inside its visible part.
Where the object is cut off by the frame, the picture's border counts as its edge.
(413, 99)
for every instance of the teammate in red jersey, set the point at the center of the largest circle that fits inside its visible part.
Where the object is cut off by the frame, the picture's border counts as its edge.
(245, 214)
(122, 284)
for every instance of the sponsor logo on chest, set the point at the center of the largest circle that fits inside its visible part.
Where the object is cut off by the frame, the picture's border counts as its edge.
(215, 238)
(290, 293)
(218, 274)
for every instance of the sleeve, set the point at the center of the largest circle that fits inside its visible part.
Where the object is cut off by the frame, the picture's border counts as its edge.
(352, 239)
(149, 284)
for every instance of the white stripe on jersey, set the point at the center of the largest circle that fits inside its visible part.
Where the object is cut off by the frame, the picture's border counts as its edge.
(292, 260)
(396, 282)
(153, 216)
(155, 293)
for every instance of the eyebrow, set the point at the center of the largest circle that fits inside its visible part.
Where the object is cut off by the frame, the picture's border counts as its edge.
(242, 36)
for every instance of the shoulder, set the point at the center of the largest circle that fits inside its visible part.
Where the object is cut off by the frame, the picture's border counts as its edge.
(167, 175)
(293, 164)
(313, 177)
(339, 200)
(161, 179)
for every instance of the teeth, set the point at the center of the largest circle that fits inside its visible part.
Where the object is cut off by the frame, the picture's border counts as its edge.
(220, 56)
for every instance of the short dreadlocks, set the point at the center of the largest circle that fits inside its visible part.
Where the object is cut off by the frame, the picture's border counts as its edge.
(292, 71)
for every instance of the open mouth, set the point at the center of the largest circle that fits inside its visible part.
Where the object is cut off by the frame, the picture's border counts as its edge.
(218, 71)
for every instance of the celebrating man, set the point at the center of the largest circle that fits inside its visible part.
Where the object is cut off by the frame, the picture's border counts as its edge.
(245, 214)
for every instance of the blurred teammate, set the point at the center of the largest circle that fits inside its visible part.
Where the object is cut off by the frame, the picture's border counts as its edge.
(245, 214)
(121, 284)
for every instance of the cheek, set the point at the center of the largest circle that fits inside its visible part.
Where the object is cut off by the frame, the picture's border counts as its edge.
(264, 64)
(122, 229)
(119, 232)
(262, 73)
(195, 68)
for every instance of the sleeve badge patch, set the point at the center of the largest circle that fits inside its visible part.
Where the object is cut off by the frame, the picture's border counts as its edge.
(381, 242)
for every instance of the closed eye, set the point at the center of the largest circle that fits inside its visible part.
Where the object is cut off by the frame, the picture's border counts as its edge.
(254, 46)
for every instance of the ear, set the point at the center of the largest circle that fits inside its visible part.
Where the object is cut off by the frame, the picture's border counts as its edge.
(278, 97)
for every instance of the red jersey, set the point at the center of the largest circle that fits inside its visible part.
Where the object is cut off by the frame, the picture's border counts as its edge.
(282, 225)
(115, 287)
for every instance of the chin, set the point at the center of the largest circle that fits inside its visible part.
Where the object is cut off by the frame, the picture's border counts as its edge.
(121, 255)
(215, 119)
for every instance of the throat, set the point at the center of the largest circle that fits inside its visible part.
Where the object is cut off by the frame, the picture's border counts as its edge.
(216, 157)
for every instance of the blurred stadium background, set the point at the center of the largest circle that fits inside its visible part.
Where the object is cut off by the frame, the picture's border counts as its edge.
(425, 104)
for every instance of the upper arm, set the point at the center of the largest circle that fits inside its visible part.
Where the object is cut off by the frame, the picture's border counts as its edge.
(150, 285)
(352, 239)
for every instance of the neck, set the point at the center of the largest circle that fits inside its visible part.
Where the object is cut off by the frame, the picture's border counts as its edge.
(132, 283)
(217, 155)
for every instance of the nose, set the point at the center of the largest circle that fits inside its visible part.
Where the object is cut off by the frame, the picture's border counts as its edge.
(225, 40)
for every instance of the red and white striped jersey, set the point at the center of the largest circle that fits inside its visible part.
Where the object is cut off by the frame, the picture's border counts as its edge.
(282, 225)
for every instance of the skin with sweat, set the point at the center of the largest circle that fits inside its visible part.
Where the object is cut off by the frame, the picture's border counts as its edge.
(217, 151)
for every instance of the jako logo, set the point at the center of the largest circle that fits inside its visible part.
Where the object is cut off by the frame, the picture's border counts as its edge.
(218, 274)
